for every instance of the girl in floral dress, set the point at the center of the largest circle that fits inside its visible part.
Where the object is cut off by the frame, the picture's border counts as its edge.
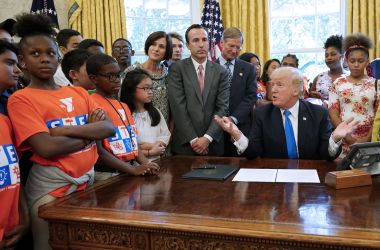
(334, 61)
(354, 95)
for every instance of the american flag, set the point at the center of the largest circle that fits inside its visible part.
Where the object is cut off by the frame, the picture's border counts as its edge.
(212, 22)
(45, 7)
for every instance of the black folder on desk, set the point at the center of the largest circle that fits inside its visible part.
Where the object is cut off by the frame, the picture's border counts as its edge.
(211, 172)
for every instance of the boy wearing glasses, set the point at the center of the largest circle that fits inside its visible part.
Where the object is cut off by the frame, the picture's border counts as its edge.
(122, 51)
(117, 153)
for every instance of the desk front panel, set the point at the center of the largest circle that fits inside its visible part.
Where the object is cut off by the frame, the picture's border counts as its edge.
(169, 212)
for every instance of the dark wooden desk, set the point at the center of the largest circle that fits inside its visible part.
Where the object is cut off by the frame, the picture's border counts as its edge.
(168, 212)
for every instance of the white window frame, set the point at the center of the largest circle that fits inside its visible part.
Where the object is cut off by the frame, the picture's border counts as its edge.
(307, 50)
(195, 15)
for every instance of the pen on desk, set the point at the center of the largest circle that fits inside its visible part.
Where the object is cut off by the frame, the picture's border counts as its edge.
(206, 167)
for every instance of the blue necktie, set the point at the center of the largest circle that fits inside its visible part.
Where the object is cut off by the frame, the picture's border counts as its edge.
(290, 139)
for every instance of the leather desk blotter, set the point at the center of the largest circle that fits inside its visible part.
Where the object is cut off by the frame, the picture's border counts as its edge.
(211, 172)
(348, 178)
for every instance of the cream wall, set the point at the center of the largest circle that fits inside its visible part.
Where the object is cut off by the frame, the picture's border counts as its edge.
(10, 8)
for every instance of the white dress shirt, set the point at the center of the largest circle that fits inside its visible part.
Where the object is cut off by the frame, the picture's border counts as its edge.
(60, 78)
(196, 65)
(223, 61)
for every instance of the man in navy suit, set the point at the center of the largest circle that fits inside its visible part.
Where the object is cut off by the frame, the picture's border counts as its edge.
(243, 86)
(289, 127)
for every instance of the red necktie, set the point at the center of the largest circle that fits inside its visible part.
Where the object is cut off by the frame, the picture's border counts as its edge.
(201, 77)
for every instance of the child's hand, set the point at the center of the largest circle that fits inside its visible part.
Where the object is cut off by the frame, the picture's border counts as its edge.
(157, 149)
(146, 169)
(96, 116)
(12, 237)
(154, 168)
(140, 170)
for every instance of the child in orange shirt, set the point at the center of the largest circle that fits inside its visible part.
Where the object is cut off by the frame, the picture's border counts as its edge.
(115, 152)
(62, 124)
(12, 224)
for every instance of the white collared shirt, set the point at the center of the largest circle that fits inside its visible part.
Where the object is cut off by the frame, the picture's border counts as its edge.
(196, 65)
(223, 61)
(333, 148)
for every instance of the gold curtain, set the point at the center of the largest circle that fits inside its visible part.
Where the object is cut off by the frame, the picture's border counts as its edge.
(251, 17)
(364, 16)
(103, 20)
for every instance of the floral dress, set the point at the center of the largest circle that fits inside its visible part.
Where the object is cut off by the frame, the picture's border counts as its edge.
(160, 89)
(323, 85)
(358, 100)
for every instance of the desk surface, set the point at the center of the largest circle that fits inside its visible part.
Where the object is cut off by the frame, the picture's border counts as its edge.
(285, 212)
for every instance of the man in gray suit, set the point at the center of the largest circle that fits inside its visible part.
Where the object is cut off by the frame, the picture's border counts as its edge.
(198, 90)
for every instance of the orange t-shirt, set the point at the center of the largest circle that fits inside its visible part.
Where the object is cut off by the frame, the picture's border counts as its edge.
(124, 144)
(9, 178)
(34, 111)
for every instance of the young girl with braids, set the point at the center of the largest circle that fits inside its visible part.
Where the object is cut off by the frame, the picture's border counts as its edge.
(354, 95)
(58, 124)
(116, 153)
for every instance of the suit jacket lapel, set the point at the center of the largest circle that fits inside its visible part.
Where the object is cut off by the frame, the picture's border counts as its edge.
(193, 75)
(303, 118)
(208, 80)
(278, 125)
(235, 77)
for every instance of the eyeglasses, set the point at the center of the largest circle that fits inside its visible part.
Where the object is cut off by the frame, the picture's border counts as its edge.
(111, 77)
(122, 49)
(230, 46)
(146, 89)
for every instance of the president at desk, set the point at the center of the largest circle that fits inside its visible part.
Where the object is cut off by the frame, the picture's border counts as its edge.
(289, 127)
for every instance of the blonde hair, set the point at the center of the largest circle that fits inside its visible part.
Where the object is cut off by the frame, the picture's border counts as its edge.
(295, 75)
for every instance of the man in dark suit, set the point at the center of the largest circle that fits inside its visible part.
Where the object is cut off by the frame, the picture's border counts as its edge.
(243, 85)
(289, 127)
(198, 89)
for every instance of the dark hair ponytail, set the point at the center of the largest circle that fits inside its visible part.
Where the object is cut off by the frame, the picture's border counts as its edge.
(128, 91)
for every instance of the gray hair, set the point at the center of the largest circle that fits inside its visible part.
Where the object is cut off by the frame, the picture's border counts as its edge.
(232, 33)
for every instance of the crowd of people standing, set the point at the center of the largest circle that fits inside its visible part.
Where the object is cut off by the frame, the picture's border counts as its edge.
(91, 116)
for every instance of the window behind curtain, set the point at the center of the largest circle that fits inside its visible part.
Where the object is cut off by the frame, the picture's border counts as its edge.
(147, 16)
(301, 27)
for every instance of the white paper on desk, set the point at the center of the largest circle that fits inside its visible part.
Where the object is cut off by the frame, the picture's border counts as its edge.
(256, 175)
(297, 175)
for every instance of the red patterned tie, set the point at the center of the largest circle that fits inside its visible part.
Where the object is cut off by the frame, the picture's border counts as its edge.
(201, 77)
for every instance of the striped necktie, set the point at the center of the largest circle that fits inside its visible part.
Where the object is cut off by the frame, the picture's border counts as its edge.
(227, 65)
